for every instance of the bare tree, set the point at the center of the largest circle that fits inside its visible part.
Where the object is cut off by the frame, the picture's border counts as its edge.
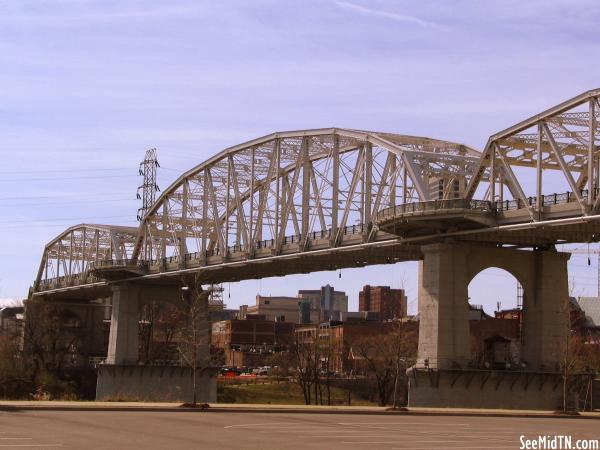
(193, 337)
(146, 331)
(579, 359)
(403, 338)
(386, 358)
(305, 357)
(160, 321)
(49, 337)
(15, 377)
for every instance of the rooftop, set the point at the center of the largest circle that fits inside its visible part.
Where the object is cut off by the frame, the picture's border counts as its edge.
(591, 307)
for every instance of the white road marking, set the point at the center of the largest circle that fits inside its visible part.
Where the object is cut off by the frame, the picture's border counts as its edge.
(369, 442)
(449, 424)
(258, 424)
(441, 441)
(419, 430)
(31, 445)
(461, 447)
(412, 447)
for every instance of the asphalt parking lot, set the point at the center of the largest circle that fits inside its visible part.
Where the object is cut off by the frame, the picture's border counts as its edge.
(238, 430)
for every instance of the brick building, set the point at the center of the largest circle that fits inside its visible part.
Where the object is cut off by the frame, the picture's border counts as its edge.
(11, 320)
(341, 336)
(495, 342)
(281, 309)
(325, 304)
(250, 342)
(309, 306)
(585, 318)
(388, 303)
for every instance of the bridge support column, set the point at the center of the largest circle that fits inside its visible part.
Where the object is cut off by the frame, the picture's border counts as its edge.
(123, 341)
(444, 373)
(546, 312)
(443, 307)
(123, 377)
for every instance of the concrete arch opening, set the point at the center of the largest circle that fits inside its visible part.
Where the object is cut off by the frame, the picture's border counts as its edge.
(495, 319)
(506, 295)
(445, 274)
(444, 353)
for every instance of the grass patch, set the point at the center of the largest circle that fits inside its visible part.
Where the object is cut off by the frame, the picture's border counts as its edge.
(283, 393)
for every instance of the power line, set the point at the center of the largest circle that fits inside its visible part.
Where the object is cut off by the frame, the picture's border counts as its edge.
(74, 169)
(114, 200)
(65, 225)
(75, 219)
(79, 194)
(68, 178)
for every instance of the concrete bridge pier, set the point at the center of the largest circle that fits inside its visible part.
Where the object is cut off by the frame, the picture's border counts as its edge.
(124, 377)
(123, 341)
(444, 374)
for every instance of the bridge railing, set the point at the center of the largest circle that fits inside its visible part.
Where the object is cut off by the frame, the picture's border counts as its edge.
(66, 280)
(112, 263)
(480, 205)
(434, 205)
(407, 208)
(547, 200)
(144, 264)
(263, 244)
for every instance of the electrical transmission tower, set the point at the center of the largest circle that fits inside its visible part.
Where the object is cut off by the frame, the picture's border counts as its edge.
(215, 299)
(149, 188)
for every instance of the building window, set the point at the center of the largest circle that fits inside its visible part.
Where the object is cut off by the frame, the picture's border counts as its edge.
(267, 302)
(456, 186)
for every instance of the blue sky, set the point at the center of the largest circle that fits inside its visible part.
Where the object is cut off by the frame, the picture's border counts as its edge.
(86, 86)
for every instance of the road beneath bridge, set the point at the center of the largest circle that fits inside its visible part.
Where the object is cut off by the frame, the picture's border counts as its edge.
(192, 430)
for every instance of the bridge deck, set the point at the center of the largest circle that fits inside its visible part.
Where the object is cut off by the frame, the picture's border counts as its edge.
(397, 235)
(358, 247)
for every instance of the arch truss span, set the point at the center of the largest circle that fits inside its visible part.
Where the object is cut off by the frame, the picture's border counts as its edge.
(556, 151)
(296, 187)
(68, 258)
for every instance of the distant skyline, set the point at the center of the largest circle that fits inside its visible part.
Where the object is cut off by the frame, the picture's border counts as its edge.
(86, 86)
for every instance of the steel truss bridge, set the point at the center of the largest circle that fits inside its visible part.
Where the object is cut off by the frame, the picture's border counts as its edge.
(323, 199)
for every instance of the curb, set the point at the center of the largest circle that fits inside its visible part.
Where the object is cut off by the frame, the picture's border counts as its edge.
(245, 410)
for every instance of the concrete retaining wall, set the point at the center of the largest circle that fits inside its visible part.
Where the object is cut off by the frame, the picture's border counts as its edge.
(484, 389)
(154, 383)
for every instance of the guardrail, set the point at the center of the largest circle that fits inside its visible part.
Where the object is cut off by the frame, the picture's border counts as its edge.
(87, 277)
(480, 205)
(547, 200)
(111, 263)
(264, 244)
(407, 208)
(67, 280)
(434, 205)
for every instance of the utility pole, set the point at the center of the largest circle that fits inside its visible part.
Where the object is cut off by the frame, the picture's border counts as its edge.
(149, 188)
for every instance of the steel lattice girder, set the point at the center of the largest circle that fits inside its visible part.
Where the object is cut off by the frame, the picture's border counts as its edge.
(295, 183)
(70, 253)
(301, 182)
(563, 139)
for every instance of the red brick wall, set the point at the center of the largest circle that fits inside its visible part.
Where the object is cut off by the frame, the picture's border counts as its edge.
(389, 303)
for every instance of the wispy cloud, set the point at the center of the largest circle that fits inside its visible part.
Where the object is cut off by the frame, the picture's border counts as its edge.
(90, 13)
(385, 14)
